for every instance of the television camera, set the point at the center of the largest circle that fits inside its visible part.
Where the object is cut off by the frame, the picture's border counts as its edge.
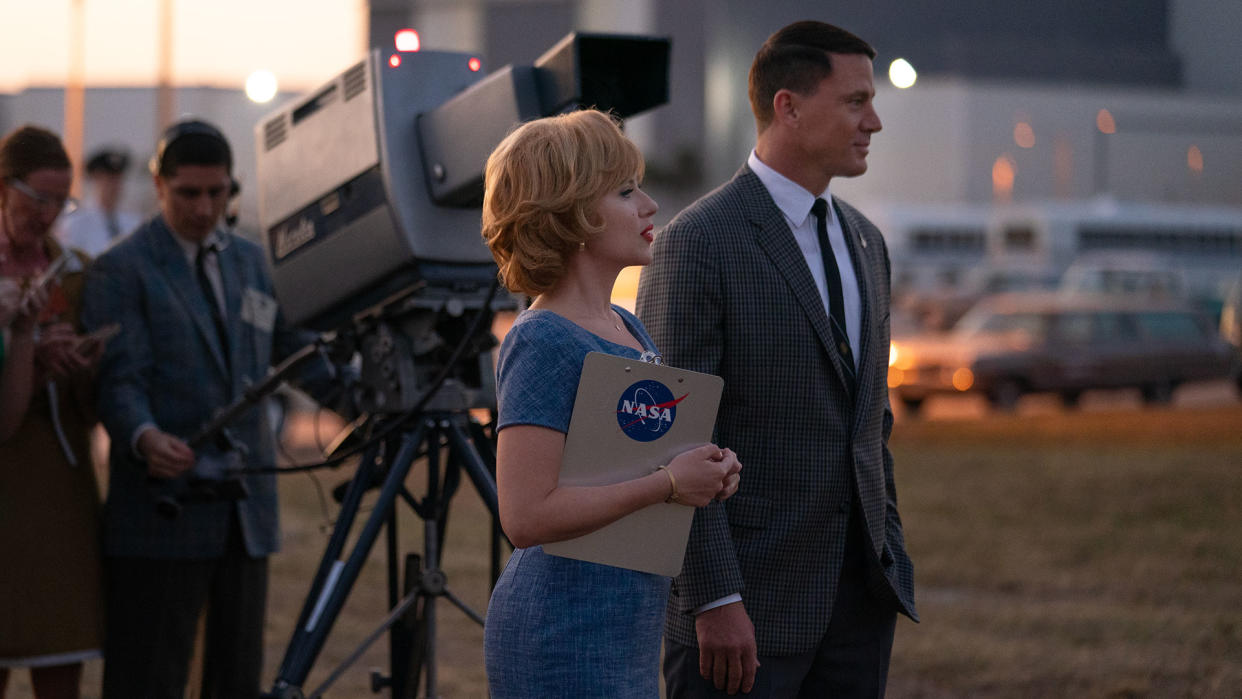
(369, 191)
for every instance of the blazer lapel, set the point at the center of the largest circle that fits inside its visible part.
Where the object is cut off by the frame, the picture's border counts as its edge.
(230, 271)
(852, 230)
(777, 241)
(868, 283)
(171, 263)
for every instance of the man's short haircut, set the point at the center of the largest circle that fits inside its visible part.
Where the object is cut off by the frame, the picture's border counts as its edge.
(796, 58)
(541, 188)
(29, 148)
(191, 142)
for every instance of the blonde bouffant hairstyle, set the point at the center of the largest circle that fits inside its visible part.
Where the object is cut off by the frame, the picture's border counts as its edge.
(541, 187)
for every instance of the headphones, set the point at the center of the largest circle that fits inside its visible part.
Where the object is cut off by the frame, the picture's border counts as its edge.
(191, 127)
(181, 129)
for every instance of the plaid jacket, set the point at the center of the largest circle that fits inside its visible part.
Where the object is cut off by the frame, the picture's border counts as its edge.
(729, 293)
(167, 367)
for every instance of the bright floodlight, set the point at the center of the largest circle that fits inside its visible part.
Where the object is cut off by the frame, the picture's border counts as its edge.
(261, 86)
(407, 40)
(901, 74)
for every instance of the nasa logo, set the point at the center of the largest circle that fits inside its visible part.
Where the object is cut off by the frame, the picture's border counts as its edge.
(647, 410)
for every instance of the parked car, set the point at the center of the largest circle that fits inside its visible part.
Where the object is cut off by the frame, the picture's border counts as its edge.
(937, 309)
(1013, 344)
(1128, 273)
(1231, 326)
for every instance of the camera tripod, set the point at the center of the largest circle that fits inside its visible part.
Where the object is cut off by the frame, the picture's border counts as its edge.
(412, 619)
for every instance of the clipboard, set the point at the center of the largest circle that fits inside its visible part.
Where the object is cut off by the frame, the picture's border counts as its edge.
(629, 417)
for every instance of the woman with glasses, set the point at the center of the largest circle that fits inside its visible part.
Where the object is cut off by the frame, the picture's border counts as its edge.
(50, 592)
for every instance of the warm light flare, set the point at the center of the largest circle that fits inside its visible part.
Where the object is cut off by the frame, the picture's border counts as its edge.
(1104, 121)
(1023, 135)
(474, 64)
(963, 379)
(1194, 159)
(394, 60)
(1004, 172)
(895, 377)
(901, 357)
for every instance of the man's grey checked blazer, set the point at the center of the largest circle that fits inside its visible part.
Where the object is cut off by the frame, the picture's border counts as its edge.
(729, 293)
(167, 367)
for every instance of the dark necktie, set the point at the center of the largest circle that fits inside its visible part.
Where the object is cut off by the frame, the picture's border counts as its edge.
(836, 303)
(114, 229)
(204, 283)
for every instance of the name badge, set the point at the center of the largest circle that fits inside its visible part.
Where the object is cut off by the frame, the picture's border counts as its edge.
(259, 310)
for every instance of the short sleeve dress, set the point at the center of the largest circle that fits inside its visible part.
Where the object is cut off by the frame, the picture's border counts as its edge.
(559, 627)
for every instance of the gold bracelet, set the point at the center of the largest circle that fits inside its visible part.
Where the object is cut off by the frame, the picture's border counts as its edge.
(672, 496)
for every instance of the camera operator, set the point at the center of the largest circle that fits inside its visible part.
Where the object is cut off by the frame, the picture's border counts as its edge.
(199, 323)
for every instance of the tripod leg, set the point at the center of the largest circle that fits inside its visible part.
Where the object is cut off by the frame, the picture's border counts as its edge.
(431, 578)
(468, 455)
(486, 447)
(328, 565)
(409, 636)
(328, 595)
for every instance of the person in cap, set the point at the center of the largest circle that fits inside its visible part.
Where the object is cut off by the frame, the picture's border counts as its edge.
(101, 220)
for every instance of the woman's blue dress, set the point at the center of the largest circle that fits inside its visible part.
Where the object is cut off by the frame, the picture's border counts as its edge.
(559, 627)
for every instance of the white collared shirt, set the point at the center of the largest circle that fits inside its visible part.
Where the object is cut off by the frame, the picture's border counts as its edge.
(217, 241)
(795, 203)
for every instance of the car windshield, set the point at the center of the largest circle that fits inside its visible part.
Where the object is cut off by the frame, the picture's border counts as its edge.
(1033, 326)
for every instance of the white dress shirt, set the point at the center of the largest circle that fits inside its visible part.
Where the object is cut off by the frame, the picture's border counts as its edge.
(795, 203)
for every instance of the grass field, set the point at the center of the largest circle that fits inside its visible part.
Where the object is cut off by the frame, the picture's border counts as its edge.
(1084, 554)
(1074, 554)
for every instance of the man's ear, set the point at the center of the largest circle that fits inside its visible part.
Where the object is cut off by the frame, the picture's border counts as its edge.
(785, 107)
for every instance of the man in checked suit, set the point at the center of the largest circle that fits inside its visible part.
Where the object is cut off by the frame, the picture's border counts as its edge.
(198, 324)
(791, 587)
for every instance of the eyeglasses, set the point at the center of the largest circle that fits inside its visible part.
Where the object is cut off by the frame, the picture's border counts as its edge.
(66, 205)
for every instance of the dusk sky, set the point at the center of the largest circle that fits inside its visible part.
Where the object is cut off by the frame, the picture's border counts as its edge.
(216, 43)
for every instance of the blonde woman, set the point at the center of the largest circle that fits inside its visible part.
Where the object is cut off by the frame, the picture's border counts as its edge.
(563, 214)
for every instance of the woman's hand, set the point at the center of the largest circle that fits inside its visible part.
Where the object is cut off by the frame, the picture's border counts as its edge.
(57, 351)
(704, 473)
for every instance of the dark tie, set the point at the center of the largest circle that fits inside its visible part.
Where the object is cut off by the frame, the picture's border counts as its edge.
(204, 283)
(836, 303)
(114, 229)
